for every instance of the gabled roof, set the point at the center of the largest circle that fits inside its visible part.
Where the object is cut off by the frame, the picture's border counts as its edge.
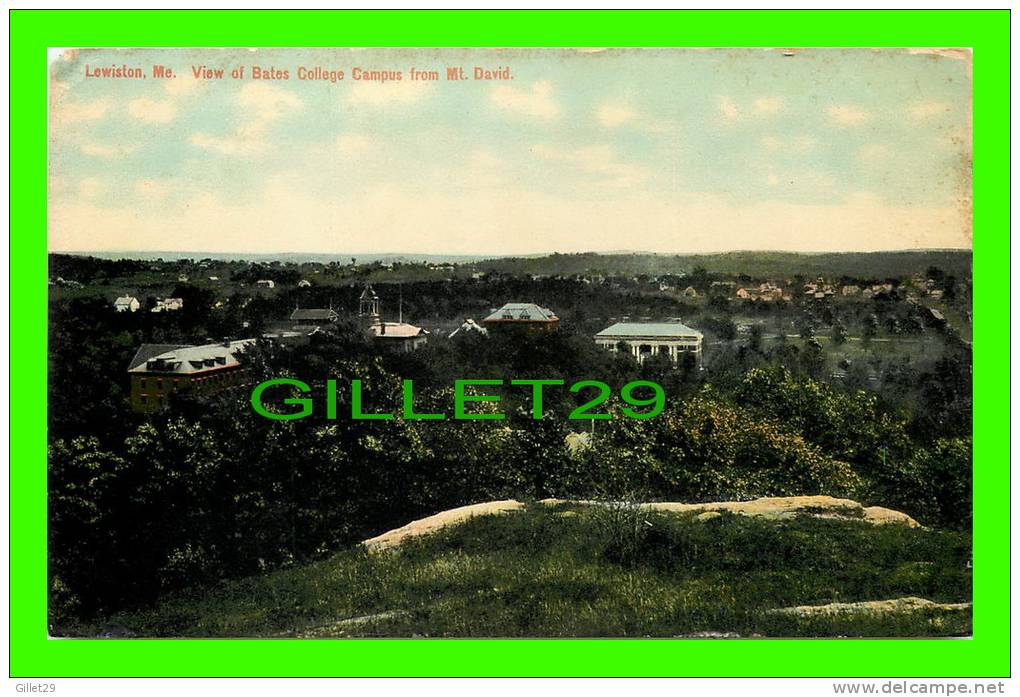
(522, 312)
(663, 330)
(186, 360)
(396, 330)
(313, 314)
(125, 300)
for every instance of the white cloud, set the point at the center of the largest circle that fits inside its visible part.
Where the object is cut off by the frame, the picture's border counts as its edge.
(259, 105)
(353, 144)
(537, 102)
(152, 189)
(612, 115)
(873, 153)
(244, 141)
(153, 110)
(381, 94)
(483, 158)
(768, 105)
(800, 144)
(106, 150)
(847, 115)
(91, 187)
(925, 110)
(183, 85)
(66, 112)
(728, 108)
(266, 102)
(597, 161)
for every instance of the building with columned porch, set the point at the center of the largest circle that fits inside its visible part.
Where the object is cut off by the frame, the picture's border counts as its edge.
(646, 339)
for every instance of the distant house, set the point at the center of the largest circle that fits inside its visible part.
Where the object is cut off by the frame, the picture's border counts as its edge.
(744, 294)
(399, 336)
(265, 283)
(769, 291)
(850, 289)
(527, 316)
(168, 304)
(304, 284)
(126, 303)
(314, 316)
(469, 326)
(645, 339)
(690, 292)
(291, 334)
(214, 278)
(182, 279)
(158, 371)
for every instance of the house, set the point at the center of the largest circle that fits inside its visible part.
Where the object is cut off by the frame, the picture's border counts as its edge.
(214, 279)
(265, 283)
(126, 303)
(527, 316)
(182, 279)
(690, 292)
(469, 326)
(850, 289)
(291, 334)
(317, 316)
(168, 304)
(744, 294)
(769, 291)
(399, 336)
(159, 371)
(304, 284)
(645, 339)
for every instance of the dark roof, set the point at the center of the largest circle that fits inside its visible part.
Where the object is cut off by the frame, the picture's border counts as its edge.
(313, 314)
(147, 351)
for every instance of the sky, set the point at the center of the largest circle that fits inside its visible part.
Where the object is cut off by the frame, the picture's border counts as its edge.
(660, 150)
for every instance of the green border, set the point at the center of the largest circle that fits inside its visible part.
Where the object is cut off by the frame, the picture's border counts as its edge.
(32, 654)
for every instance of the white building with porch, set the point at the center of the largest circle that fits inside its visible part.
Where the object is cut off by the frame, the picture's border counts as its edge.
(646, 339)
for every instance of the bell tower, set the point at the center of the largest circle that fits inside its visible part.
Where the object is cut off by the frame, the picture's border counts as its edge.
(368, 304)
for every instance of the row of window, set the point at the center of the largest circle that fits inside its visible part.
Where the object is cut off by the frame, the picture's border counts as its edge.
(158, 383)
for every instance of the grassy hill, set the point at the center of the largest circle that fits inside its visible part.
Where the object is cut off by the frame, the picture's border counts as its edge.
(591, 571)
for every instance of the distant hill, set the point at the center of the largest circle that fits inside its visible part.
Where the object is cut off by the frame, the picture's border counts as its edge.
(755, 264)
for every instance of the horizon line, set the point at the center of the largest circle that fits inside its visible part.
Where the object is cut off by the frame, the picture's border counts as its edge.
(481, 256)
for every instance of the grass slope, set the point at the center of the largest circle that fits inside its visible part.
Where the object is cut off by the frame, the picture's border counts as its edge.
(564, 571)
